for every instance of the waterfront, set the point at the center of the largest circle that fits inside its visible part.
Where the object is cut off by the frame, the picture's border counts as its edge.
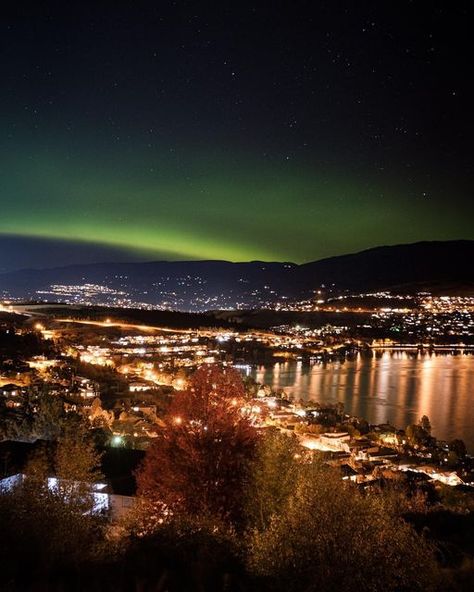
(394, 386)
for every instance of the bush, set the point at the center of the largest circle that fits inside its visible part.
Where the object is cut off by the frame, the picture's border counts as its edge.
(325, 535)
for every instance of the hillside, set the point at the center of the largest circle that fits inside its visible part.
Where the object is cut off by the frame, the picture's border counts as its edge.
(441, 267)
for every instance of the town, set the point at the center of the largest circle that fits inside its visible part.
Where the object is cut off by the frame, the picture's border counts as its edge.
(122, 376)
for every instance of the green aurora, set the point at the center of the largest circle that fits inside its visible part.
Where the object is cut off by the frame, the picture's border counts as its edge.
(234, 134)
(187, 207)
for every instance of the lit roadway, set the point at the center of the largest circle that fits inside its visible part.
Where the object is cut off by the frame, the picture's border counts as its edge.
(34, 310)
(108, 323)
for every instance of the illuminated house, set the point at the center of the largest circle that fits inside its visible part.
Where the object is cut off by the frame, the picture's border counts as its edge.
(115, 505)
(337, 441)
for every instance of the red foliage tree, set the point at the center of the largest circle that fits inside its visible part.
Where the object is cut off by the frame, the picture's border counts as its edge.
(199, 463)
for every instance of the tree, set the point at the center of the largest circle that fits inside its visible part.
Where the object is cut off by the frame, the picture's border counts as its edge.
(198, 465)
(458, 447)
(425, 424)
(77, 466)
(273, 474)
(363, 426)
(452, 459)
(416, 435)
(42, 414)
(339, 407)
(51, 529)
(328, 536)
(352, 431)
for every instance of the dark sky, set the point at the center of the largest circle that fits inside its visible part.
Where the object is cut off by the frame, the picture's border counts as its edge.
(276, 131)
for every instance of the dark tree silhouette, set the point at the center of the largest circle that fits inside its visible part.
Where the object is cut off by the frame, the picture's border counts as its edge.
(425, 424)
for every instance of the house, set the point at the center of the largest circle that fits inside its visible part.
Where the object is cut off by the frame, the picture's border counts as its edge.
(338, 441)
(435, 473)
(105, 500)
(349, 473)
(86, 388)
(377, 453)
(10, 390)
(137, 386)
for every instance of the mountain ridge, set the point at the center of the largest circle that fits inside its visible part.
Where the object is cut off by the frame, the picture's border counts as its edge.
(194, 261)
(204, 284)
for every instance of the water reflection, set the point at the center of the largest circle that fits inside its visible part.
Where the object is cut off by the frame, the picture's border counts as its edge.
(391, 386)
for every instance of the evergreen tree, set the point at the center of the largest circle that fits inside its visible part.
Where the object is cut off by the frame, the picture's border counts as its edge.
(425, 424)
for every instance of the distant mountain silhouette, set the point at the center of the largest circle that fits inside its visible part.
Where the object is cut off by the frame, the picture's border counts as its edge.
(442, 267)
(18, 252)
(412, 266)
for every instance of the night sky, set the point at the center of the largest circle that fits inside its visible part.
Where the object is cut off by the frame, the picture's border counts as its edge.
(180, 130)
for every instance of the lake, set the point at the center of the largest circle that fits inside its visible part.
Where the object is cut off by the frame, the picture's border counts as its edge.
(394, 386)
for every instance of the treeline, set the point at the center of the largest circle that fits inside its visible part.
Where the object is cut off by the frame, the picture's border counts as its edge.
(40, 415)
(23, 345)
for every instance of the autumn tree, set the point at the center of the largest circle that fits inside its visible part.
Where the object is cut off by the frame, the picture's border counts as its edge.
(52, 528)
(77, 465)
(198, 465)
(273, 473)
(42, 414)
(323, 534)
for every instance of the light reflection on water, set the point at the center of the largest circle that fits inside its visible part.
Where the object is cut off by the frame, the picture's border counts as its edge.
(398, 387)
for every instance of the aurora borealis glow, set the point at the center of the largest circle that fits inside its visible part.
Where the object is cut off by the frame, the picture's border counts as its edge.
(164, 133)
